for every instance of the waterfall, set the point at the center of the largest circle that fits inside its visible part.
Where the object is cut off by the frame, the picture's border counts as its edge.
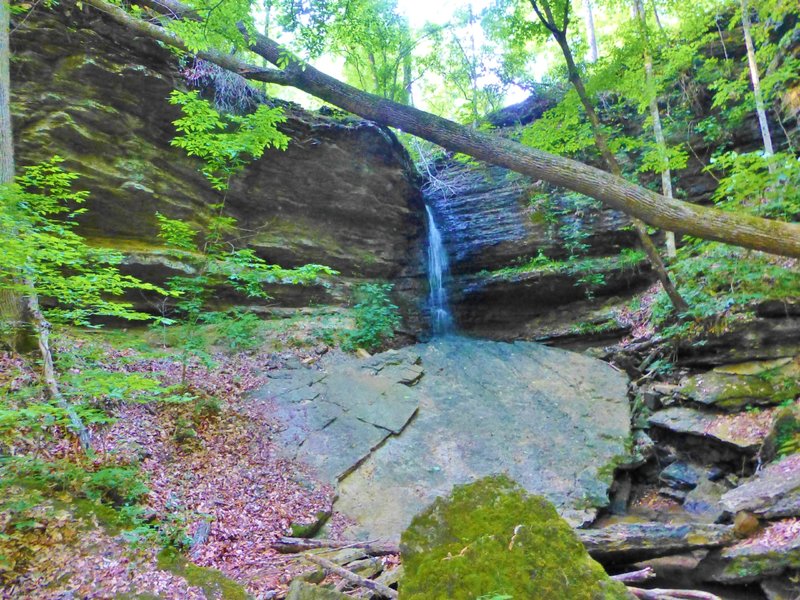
(441, 319)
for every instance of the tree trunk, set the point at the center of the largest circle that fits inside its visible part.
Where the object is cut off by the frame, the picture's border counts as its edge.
(777, 237)
(754, 77)
(42, 327)
(655, 115)
(12, 305)
(678, 303)
(591, 36)
(6, 132)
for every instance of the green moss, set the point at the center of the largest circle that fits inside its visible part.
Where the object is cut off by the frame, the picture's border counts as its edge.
(214, 584)
(492, 538)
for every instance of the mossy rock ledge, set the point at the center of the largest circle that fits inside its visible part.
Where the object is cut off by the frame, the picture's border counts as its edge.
(491, 539)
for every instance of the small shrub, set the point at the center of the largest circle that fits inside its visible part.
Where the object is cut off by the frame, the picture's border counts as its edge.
(375, 315)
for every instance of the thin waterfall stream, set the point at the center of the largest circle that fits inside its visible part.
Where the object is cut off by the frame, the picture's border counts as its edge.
(438, 268)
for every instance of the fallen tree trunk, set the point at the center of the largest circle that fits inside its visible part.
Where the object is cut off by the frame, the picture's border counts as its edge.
(615, 544)
(292, 545)
(660, 594)
(776, 237)
(378, 588)
(635, 576)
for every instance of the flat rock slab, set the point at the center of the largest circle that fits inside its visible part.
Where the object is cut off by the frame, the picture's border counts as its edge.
(774, 492)
(744, 432)
(631, 542)
(733, 387)
(333, 419)
(770, 553)
(555, 421)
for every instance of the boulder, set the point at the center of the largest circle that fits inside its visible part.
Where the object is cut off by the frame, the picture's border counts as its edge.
(680, 475)
(774, 492)
(704, 503)
(491, 538)
(749, 340)
(626, 543)
(401, 428)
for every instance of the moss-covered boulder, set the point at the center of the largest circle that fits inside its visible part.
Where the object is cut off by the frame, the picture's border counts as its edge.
(491, 539)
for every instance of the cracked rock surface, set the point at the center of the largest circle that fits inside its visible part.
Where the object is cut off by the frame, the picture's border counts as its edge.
(400, 428)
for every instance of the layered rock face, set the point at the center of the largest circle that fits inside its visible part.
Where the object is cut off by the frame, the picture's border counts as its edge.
(493, 221)
(344, 194)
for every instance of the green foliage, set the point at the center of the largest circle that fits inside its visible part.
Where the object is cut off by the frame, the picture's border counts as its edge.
(225, 142)
(22, 420)
(787, 430)
(487, 538)
(217, 27)
(375, 315)
(749, 184)
(43, 254)
(114, 485)
(561, 130)
(719, 281)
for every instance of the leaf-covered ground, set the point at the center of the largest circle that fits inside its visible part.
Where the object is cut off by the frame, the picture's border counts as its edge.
(223, 469)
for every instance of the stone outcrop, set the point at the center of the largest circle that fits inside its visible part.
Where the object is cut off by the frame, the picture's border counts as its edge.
(344, 193)
(403, 427)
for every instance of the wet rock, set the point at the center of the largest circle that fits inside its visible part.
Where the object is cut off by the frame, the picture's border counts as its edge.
(478, 541)
(488, 223)
(774, 492)
(680, 475)
(734, 431)
(733, 387)
(703, 502)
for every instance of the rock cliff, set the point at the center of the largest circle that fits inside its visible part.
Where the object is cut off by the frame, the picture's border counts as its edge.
(344, 194)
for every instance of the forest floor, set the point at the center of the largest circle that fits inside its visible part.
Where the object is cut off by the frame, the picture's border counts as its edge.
(214, 465)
